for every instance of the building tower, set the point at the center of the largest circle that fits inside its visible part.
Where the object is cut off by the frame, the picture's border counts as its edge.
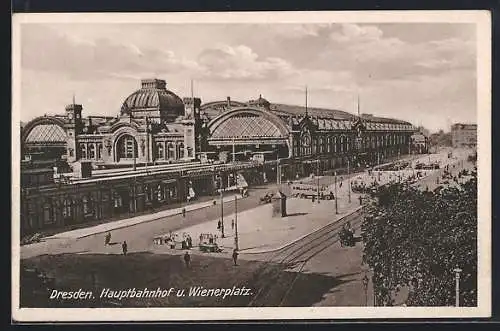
(74, 126)
(192, 126)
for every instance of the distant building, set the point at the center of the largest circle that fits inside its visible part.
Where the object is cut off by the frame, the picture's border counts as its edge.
(420, 141)
(464, 135)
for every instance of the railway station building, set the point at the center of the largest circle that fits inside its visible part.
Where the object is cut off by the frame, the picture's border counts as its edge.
(155, 127)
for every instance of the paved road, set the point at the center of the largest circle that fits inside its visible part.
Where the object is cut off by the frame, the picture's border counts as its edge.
(345, 264)
(139, 237)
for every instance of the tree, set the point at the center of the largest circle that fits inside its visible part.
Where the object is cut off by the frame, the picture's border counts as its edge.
(415, 239)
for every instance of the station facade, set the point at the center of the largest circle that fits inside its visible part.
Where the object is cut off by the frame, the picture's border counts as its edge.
(156, 127)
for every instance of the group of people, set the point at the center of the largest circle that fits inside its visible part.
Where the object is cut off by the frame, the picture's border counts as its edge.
(209, 238)
(187, 242)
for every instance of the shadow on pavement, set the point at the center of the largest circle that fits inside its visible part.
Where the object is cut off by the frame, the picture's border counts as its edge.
(270, 285)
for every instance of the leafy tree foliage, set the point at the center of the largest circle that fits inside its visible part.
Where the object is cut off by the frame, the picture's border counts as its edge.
(415, 239)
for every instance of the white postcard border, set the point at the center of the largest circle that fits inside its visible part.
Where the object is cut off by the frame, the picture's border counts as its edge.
(482, 19)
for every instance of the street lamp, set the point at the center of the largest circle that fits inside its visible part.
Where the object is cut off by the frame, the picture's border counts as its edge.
(236, 223)
(221, 188)
(336, 197)
(365, 285)
(348, 181)
(457, 286)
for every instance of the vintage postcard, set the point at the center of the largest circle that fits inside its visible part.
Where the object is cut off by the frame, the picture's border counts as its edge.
(257, 165)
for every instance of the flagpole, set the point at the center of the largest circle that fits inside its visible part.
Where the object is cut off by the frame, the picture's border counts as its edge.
(306, 100)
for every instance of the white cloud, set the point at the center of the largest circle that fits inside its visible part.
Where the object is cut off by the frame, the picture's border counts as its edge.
(241, 63)
(357, 33)
(297, 31)
(46, 49)
(428, 77)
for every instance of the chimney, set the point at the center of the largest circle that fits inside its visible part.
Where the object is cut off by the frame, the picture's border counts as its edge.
(228, 102)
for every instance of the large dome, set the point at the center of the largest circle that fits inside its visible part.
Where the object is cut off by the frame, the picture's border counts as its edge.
(153, 100)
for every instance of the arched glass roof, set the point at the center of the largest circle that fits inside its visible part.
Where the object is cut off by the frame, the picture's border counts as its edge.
(46, 133)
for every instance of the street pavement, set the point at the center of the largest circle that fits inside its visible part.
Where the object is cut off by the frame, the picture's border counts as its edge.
(139, 236)
(345, 263)
(258, 232)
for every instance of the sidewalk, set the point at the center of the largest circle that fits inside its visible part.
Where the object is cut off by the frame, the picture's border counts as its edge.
(259, 232)
(85, 232)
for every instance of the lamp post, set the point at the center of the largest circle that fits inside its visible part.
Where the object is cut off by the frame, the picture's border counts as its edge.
(135, 194)
(236, 243)
(317, 178)
(278, 172)
(234, 151)
(134, 151)
(457, 286)
(365, 285)
(222, 205)
(336, 197)
(348, 181)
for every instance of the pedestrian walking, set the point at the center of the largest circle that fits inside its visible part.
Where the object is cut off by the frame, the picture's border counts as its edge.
(235, 256)
(232, 224)
(219, 225)
(187, 260)
(124, 248)
(107, 239)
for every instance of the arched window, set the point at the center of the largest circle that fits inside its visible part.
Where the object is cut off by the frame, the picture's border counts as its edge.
(341, 143)
(328, 144)
(99, 151)
(296, 147)
(306, 143)
(83, 151)
(87, 205)
(160, 153)
(160, 193)
(47, 213)
(127, 147)
(92, 151)
(180, 151)
(335, 144)
(170, 151)
(117, 199)
(66, 208)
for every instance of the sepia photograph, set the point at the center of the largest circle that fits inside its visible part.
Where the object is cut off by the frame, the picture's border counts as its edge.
(251, 166)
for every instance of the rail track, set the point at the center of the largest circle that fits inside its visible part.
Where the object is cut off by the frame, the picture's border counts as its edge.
(296, 255)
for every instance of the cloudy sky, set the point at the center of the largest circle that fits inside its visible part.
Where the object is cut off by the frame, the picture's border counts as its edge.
(421, 72)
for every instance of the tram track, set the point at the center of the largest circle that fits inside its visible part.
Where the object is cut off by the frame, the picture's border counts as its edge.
(296, 255)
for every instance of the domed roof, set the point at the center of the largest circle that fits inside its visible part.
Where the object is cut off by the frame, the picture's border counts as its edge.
(153, 96)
